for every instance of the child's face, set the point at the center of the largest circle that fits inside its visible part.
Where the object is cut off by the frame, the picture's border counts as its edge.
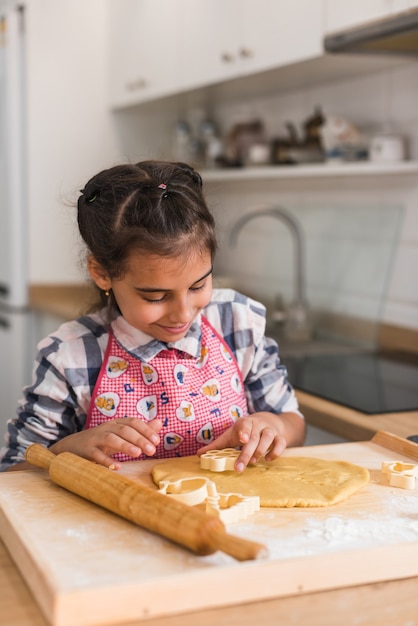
(162, 296)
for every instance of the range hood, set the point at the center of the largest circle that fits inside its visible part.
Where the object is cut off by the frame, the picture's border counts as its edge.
(395, 35)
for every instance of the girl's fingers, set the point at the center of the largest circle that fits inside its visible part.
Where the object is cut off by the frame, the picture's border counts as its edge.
(103, 459)
(267, 437)
(277, 449)
(262, 443)
(147, 430)
(140, 435)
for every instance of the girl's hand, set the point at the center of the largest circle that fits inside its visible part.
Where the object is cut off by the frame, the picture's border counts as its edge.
(260, 435)
(131, 436)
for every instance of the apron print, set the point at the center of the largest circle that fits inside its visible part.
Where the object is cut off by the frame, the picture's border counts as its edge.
(107, 403)
(235, 412)
(149, 374)
(203, 358)
(205, 434)
(211, 390)
(225, 353)
(236, 383)
(185, 412)
(172, 441)
(147, 407)
(116, 366)
(180, 374)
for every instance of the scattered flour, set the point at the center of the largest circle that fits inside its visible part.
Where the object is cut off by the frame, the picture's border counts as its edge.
(396, 523)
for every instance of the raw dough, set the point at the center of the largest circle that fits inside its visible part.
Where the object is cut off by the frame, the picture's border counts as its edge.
(285, 482)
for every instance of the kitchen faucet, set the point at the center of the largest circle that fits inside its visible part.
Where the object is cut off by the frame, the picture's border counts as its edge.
(296, 327)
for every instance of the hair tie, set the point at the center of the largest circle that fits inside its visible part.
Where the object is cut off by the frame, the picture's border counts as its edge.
(164, 186)
(90, 198)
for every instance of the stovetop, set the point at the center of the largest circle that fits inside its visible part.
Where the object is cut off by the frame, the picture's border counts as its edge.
(370, 382)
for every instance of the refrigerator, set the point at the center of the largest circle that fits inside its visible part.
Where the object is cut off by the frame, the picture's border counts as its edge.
(14, 311)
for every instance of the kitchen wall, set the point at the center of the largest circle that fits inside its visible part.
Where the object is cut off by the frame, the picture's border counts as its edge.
(362, 233)
(71, 133)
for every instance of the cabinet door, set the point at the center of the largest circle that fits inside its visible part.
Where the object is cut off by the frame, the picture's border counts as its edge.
(144, 50)
(342, 14)
(279, 33)
(404, 5)
(208, 41)
(224, 39)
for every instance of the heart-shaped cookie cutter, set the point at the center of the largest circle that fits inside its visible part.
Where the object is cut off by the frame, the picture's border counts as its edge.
(219, 460)
(194, 490)
(400, 474)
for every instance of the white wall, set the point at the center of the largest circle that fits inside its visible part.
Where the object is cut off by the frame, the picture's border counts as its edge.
(362, 233)
(71, 133)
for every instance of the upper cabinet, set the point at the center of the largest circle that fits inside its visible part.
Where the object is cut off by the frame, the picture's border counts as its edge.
(280, 33)
(225, 39)
(144, 59)
(208, 33)
(341, 14)
(159, 47)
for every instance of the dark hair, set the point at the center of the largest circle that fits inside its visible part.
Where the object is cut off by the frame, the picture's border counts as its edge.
(155, 207)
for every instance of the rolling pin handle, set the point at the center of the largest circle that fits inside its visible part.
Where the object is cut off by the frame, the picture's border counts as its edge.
(237, 547)
(39, 455)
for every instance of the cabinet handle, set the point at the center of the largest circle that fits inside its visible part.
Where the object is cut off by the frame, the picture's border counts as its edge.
(227, 57)
(140, 83)
(246, 53)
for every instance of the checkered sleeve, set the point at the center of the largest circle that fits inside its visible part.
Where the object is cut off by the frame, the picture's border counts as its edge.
(56, 403)
(241, 321)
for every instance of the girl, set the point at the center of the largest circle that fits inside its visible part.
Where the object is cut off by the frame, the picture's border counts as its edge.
(166, 366)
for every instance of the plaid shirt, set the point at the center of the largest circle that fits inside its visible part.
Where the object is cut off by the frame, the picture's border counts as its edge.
(68, 363)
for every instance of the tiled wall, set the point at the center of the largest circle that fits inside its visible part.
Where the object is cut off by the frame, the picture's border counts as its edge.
(361, 233)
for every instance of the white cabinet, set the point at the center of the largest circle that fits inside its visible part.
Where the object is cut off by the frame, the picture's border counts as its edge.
(341, 14)
(160, 47)
(224, 39)
(404, 5)
(144, 42)
(279, 33)
(209, 45)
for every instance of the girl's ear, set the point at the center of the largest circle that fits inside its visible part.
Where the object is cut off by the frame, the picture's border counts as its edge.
(98, 274)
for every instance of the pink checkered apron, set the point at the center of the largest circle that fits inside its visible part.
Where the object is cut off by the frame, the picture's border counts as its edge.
(196, 399)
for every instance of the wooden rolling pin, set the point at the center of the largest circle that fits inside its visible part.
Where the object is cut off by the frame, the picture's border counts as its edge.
(183, 524)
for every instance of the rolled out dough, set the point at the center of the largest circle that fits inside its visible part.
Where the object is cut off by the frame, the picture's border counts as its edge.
(286, 482)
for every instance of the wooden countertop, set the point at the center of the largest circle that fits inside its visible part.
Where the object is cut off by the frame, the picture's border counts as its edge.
(375, 604)
(352, 424)
(69, 301)
(379, 604)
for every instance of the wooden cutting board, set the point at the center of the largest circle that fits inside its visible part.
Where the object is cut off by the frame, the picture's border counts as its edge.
(86, 566)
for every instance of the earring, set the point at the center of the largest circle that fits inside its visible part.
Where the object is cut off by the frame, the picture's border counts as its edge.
(107, 294)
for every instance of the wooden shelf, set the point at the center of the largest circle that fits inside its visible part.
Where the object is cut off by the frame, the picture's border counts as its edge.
(321, 170)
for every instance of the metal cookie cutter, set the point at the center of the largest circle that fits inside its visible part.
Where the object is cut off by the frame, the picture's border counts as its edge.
(219, 460)
(400, 474)
(229, 507)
